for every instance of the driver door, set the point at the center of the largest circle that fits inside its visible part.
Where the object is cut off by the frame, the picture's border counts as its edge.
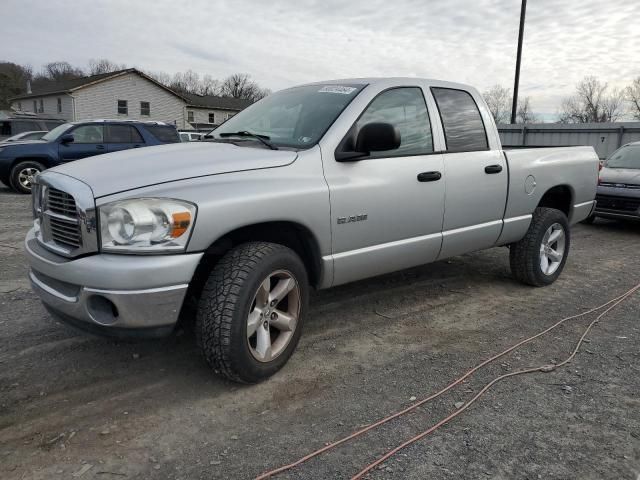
(88, 140)
(386, 214)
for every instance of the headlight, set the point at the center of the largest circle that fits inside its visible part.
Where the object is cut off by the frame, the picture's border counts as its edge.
(151, 225)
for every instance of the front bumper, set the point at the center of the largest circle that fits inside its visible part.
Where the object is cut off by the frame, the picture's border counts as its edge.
(618, 203)
(119, 295)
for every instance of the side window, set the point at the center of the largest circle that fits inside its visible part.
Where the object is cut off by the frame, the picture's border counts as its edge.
(123, 134)
(21, 126)
(463, 126)
(406, 109)
(88, 134)
(189, 116)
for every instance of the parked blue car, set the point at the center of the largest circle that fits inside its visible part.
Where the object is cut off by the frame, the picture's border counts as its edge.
(20, 161)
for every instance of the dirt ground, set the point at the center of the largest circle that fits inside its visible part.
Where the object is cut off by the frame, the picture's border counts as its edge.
(76, 406)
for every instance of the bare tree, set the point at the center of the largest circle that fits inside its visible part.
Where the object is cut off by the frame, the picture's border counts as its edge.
(498, 100)
(240, 85)
(633, 97)
(61, 71)
(593, 102)
(161, 77)
(103, 65)
(210, 86)
(525, 113)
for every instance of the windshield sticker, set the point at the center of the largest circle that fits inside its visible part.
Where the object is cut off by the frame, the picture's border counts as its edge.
(337, 89)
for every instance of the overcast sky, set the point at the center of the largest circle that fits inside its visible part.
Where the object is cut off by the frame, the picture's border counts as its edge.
(284, 42)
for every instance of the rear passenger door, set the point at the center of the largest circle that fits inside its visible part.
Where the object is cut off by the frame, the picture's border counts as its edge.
(88, 140)
(475, 177)
(123, 137)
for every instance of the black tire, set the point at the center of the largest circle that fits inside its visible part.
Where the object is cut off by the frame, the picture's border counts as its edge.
(525, 255)
(14, 180)
(225, 303)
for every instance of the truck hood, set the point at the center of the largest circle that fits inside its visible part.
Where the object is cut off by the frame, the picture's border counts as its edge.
(130, 169)
(628, 176)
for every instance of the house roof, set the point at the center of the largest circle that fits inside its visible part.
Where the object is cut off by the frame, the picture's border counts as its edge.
(211, 101)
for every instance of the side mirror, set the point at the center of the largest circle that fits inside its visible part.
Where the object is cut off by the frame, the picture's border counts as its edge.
(372, 137)
(66, 138)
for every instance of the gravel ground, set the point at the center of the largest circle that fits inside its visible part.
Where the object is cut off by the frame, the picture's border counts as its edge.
(76, 406)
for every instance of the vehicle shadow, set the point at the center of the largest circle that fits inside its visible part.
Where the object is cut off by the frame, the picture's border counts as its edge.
(85, 370)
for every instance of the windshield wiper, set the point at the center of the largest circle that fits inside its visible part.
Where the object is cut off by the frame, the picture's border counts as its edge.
(244, 133)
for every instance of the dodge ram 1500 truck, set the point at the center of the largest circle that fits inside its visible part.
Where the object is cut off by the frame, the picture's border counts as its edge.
(313, 186)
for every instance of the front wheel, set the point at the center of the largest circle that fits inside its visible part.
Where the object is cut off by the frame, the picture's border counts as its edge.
(538, 259)
(251, 310)
(22, 174)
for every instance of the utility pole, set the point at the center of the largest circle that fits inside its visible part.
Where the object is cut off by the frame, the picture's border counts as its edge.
(516, 83)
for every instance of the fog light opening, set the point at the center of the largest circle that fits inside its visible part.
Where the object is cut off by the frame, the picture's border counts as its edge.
(102, 310)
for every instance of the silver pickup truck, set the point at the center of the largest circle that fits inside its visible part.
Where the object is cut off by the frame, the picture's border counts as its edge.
(313, 186)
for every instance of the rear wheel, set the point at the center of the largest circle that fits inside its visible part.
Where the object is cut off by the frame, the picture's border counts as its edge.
(251, 310)
(539, 258)
(22, 175)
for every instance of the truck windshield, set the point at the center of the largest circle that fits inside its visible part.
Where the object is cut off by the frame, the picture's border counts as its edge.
(626, 157)
(56, 132)
(297, 117)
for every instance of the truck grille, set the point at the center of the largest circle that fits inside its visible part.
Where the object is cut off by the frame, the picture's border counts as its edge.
(64, 213)
(63, 218)
(621, 204)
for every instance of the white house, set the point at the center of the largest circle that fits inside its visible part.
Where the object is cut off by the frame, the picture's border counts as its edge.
(127, 94)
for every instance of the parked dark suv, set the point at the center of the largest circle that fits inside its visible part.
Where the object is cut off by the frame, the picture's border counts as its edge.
(19, 162)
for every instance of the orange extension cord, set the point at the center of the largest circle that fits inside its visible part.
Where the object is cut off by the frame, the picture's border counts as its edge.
(544, 368)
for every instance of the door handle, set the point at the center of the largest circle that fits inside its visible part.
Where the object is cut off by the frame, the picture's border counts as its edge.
(99, 147)
(429, 176)
(493, 169)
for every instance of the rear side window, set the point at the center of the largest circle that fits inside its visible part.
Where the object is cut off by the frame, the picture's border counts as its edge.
(21, 126)
(123, 134)
(164, 133)
(405, 109)
(463, 127)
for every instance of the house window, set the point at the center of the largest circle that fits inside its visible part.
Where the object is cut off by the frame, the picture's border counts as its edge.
(190, 116)
(122, 107)
(59, 105)
(212, 117)
(227, 116)
(41, 110)
(19, 105)
(145, 108)
(35, 107)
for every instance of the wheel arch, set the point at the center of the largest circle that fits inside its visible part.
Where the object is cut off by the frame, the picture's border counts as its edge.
(559, 197)
(288, 233)
(43, 159)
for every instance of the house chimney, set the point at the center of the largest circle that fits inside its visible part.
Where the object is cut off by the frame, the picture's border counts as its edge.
(29, 92)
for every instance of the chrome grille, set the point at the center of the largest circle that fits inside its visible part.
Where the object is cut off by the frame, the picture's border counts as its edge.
(61, 202)
(64, 212)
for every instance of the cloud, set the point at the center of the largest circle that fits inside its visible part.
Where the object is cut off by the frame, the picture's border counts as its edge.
(284, 42)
